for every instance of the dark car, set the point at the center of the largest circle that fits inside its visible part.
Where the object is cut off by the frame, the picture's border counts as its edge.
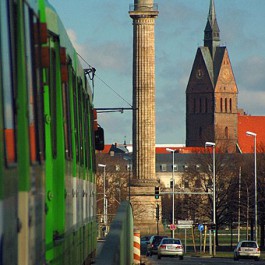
(153, 244)
(145, 240)
(144, 243)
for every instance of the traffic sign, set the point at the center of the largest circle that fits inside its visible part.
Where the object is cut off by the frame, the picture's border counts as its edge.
(172, 227)
(201, 227)
(185, 224)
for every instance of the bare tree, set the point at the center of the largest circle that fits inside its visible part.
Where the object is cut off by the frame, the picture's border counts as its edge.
(116, 182)
(200, 173)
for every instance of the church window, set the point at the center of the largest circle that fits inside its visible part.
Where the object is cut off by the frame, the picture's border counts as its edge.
(163, 167)
(226, 132)
(198, 183)
(200, 105)
(186, 184)
(230, 104)
(225, 104)
(221, 105)
(200, 133)
(206, 105)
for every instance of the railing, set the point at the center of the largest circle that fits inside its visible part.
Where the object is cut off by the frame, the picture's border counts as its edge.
(143, 7)
(118, 247)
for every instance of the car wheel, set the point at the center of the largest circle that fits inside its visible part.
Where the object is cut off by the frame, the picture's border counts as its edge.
(158, 256)
(181, 257)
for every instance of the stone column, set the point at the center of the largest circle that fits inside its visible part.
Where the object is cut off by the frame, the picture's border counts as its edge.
(144, 13)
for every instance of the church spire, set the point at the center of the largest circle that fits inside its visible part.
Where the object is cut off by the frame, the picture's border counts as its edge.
(212, 32)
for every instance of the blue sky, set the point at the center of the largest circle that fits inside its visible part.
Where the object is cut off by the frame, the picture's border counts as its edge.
(101, 31)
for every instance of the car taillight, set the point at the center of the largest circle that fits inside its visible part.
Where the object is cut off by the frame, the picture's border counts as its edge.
(163, 246)
(258, 249)
(179, 247)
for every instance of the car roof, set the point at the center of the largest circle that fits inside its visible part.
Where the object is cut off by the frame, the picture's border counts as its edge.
(248, 241)
(170, 238)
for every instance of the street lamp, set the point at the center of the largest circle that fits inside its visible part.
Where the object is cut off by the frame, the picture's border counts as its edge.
(173, 184)
(211, 144)
(129, 158)
(255, 172)
(104, 194)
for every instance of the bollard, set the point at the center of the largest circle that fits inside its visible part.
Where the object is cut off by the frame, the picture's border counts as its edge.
(136, 247)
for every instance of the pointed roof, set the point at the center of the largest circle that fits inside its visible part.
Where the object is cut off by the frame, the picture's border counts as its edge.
(212, 24)
(212, 32)
(213, 66)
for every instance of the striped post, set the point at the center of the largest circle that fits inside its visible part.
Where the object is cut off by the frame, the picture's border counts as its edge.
(136, 247)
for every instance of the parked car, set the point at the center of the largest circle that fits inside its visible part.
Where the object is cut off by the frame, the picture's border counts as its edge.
(247, 249)
(170, 247)
(144, 242)
(153, 244)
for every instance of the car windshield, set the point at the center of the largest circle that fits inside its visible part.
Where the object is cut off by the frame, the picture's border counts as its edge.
(249, 245)
(171, 241)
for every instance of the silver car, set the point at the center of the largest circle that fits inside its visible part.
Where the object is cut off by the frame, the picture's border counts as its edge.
(247, 249)
(170, 247)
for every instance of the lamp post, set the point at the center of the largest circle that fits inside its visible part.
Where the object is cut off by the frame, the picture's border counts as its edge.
(104, 194)
(211, 144)
(247, 207)
(248, 133)
(128, 158)
(173, 185)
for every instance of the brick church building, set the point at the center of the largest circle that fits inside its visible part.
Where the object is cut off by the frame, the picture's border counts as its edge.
(212, 112)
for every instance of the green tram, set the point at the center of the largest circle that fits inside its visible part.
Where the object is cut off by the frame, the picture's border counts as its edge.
(48, 138)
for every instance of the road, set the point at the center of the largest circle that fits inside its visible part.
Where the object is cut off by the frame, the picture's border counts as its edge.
(188, 260)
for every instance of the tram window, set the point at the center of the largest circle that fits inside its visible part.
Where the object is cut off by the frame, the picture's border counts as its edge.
(31, 99)
(35, 106)
(92, 136)
(81, 124)
(38, 91)
(67, 122)
(8, 85)
(76, 119)
(87, 130)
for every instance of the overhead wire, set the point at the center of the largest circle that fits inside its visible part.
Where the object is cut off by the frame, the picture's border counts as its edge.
(104, 82)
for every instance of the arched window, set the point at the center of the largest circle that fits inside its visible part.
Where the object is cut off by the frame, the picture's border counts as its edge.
(230, 105)
(221, 104)
(226, 133)
(200, 105)
(225, 104)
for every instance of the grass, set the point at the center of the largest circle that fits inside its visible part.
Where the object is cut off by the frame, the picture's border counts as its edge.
(224, 237)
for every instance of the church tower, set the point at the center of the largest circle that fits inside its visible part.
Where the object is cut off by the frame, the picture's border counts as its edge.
(211, 94)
